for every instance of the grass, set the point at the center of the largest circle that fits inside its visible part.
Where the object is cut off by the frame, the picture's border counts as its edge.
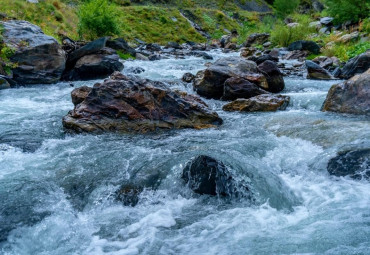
(55, 17)
(124, 56)
(154, 24)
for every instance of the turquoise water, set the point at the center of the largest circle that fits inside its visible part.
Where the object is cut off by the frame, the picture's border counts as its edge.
(57, 190)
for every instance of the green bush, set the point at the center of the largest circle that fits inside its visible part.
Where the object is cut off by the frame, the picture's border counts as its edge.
(283, 35)
(285, 7)
(348, 10)
(97, 18)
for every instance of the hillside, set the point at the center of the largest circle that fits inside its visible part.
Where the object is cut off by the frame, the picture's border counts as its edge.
(150, 21)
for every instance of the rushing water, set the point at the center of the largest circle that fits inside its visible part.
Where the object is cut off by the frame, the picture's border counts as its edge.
(57, 190)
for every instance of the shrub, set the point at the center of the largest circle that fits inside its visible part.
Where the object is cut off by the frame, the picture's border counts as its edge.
(283, 35)
(348, 10)
(285, 7)
(97, 18)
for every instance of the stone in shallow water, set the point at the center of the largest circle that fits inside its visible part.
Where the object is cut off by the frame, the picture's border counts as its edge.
(240, 88)
(188, 77)
(206, 175)
(261, 103)
(273, 75)
(132, 104)
(210, 82)
(314, 71)
(352, 96)
(355, 164)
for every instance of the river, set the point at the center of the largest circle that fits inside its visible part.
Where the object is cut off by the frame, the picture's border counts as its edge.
(57, 190)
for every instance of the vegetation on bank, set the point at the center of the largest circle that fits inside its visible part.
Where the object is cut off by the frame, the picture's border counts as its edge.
(55, 17)
(5, 54)
(162, 21)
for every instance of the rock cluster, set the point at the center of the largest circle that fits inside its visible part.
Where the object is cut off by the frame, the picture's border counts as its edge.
(131, 104)
(211, 83)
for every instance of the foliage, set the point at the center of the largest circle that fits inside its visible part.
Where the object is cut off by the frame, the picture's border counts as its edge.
(55, 17)
(285, 7)
(357, 49)
(348, 10)
(156, 25)
(365, 25)
(124, 56)
(97, 18)
(5, 54)
(283, 35)
(345, 51)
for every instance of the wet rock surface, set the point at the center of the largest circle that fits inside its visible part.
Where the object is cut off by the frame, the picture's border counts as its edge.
(352, 163)
(208, 176)
(261, 103)
(95, 66)
(314, 71)
(40, 58)
(356, 65)
(273, 75)
(240, 88)
(210, 82)
(352, 96)
(92, 61)
(135, 105)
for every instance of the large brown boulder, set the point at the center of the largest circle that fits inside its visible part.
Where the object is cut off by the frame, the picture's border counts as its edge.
(352, 96)
(210, 82)
(261, 103)
(39, 58)
(236, 87)
(132, 104)
(273, 75)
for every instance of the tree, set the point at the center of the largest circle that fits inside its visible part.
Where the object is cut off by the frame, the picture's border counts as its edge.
(348, 10)
(285, 7)
(97, 18)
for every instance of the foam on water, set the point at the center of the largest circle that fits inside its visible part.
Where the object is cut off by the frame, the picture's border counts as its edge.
(57, 191)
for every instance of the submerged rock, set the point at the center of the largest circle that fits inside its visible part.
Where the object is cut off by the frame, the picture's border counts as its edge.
(129, 194)
(188, 77)
(206, 175)
(4, 84)
(356, 65)
(314, 71)
(355, 164)
(39, 58)
(352, 96)
(132, 104)
(261, 103)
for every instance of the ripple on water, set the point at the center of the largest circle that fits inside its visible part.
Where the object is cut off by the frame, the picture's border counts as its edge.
(58, 197)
